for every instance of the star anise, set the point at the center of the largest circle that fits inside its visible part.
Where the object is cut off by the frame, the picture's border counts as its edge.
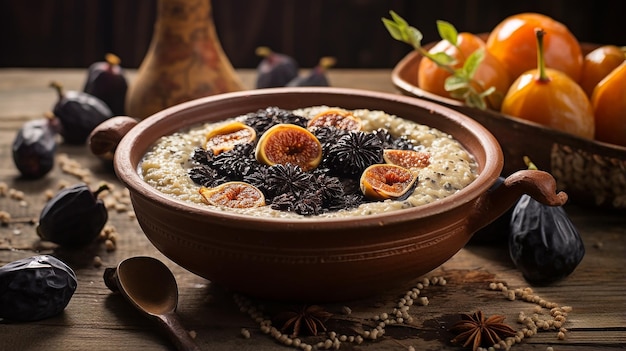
(311, 317)
(478, 330)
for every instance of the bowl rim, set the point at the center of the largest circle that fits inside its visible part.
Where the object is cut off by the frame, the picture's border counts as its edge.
(127, 167)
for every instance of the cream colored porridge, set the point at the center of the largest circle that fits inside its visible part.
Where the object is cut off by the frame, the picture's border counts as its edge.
(451, 168)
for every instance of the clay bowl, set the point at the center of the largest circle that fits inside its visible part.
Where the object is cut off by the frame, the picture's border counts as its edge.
(591, 172)
(312, 259)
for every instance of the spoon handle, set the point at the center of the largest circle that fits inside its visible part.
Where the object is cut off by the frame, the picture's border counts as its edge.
(176, 332)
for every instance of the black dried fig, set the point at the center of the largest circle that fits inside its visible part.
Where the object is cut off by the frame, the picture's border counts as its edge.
(275, 70)
(35, 288)
(317, 76)
(74, 217)
(78, 113)
(34, 148)
(543, 243)
(106, 81)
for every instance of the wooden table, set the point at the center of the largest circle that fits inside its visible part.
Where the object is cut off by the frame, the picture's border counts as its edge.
(97, 319)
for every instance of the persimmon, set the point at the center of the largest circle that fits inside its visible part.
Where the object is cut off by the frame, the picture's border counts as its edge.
(489, 73)
(458, 66)
(513, 42)
(598, 63)
(609, 106)
(550, 97)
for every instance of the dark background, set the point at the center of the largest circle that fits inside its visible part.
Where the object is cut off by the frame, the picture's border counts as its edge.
(75, 33)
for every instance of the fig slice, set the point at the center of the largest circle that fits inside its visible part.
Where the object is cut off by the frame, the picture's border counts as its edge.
(225, 138)
(385, 181)
(233, 195)
(406, 158)
(289, 143)
(337, 118)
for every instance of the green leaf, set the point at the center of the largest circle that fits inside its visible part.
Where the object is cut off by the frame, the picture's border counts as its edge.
(441, 58)
(399, 20)
(474, 100)
(447, 32)
(473, 61)
(415, 37)
(488, 92)
(455, 83)
(393, 29)
(401, 31)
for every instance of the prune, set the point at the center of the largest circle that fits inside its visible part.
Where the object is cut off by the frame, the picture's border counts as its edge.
(543, 242)
(106, 81)
(35, 288)
(74, 217)
(34, 148)
(317, 76)
(496, 232)
(275, 70)
(78, 113)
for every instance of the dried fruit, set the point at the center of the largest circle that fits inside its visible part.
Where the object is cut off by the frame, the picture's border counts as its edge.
(543, 242)
(34, 148)
(407, 158)
(78, 113)
(275, 70)
(340, 119)
(226, 137)
(317, 76)
(353, 152)
(233, 195)
(35, 288)
(384, 181)
(106, 81)
(74, 217)
(288, 143)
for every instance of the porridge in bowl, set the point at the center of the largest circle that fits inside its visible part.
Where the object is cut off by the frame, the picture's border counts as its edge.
(321, 161)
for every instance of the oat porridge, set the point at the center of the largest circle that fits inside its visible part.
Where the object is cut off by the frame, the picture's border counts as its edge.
(340, 148)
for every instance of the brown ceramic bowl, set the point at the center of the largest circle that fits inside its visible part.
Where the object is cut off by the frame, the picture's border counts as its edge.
(592, 172)
(312, 259)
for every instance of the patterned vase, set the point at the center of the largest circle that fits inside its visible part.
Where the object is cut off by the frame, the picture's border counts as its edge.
(185, 60)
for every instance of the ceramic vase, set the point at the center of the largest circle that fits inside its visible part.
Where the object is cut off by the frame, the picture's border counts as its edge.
(185, 60)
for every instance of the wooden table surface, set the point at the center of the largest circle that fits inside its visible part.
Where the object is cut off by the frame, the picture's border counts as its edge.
(97, 319)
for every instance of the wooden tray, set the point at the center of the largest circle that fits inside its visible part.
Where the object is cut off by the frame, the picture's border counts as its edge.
(591, 172)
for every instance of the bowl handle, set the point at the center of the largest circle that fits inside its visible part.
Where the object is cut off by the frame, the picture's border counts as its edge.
(104, 139)
(539, 185)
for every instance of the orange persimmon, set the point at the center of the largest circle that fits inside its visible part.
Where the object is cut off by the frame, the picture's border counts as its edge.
(513, 42)
(609, 106)
(598, 63)
(490, 72)
(550, 97)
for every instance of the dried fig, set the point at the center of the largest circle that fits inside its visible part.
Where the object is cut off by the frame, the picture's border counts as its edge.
(276, 69)
(233, 195)
(226, 137)
(35, 288)
(79, 113)
(34, 148)
(385, 181)
(337, 118)
(106, 81)
(73, 217)
(289, 143)
(406, 158)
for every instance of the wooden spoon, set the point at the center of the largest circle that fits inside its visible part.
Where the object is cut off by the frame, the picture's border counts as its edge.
(151, 287)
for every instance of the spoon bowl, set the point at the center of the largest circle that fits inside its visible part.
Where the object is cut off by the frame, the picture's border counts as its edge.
(149, 285)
